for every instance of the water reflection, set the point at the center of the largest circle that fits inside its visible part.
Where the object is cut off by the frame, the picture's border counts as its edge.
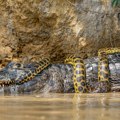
(96, 106)
(61, 106)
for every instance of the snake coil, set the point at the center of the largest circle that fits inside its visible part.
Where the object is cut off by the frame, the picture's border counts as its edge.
(103, 71)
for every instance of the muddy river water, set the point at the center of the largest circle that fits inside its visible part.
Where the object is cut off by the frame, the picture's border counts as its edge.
(61, 107)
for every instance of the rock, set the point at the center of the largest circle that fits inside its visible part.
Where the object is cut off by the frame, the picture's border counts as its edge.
(55, 28)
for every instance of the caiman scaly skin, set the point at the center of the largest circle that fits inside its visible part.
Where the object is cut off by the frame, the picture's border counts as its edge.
(114, 76)
(58, 77)
(41, 66)
(103, 69)
(29, 76)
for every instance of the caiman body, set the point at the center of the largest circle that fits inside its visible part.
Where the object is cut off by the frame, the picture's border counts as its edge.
(58, 77)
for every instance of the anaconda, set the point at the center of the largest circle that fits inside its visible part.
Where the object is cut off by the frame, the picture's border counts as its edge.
(103, 71)
(79, 74)
(58, 77)
(30, 75)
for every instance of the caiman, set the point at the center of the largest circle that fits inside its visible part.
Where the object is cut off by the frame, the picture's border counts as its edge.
(44, 77)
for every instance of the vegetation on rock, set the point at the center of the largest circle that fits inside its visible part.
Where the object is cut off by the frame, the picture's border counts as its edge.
(115, 3)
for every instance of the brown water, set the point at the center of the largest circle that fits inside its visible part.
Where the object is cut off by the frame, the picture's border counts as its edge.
(61, 107)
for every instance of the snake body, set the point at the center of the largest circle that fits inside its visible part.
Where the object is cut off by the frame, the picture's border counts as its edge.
(42, 65)
(103, 71)
(103, 65)
(6, 82)
(58, 78)
(79, 74)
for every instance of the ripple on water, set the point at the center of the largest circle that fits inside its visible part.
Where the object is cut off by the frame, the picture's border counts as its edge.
(61, 106)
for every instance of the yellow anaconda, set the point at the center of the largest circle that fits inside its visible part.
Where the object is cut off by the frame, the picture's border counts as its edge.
(79, 74)
(103, 67)
(42, 65)
(6, 82)
(103, 70)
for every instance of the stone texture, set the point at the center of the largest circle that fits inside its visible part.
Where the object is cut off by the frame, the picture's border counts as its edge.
(54, 28)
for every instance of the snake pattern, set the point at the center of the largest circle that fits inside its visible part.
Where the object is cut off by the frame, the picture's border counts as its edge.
(103, 71)
(79, 74)
(6, 82)
(103, 68)
(42, 65)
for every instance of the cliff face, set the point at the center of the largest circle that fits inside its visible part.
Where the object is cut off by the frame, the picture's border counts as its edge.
(54, 28)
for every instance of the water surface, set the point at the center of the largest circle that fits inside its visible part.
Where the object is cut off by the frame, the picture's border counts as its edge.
(61, 107)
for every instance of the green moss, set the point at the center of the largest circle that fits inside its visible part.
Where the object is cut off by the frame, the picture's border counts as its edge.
(115, 3)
